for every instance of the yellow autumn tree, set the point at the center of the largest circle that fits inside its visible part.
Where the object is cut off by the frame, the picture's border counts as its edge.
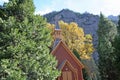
(51, 27)
(74, 37)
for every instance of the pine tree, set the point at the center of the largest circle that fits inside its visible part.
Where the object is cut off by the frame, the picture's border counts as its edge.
(106, 34)
(118, 27)
(116, 44)
(20, 9)
(2, 12)
(24, 42)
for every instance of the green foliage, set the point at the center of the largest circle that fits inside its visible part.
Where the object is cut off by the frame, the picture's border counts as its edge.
(118, 27)
(116, 44)
(24, 42)
(117, 55)
(106, 34)
(2, 12)
(20, 9)
(90, 71)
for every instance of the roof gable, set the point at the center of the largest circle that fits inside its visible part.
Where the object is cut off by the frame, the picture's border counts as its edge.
(61, 43)
(65, 62)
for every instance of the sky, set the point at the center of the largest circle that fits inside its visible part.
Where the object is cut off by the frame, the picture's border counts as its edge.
(107, 7)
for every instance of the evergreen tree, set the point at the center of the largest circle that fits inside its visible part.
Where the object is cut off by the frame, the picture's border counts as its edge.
(20, 9)
(106, 34)
(2, 13)
(24, 41)
(118, 27)
(117, 51)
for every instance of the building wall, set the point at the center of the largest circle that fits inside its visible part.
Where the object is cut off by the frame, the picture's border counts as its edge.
(62, 54)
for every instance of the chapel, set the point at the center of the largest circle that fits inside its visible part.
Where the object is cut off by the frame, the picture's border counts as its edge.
(68, 64)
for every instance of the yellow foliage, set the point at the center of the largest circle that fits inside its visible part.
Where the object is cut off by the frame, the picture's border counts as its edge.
(74, 37)
(51, 27)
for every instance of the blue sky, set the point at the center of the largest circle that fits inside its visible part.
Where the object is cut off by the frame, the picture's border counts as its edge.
(107, 7)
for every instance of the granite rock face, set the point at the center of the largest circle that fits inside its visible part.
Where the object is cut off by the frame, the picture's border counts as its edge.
(113, 18)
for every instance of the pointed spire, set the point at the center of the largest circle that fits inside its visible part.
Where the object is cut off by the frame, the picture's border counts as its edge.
(57, 26)
(56, 22)
(57, 32)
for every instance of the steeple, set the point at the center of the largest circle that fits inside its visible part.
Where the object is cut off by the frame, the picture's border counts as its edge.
(57, 32)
